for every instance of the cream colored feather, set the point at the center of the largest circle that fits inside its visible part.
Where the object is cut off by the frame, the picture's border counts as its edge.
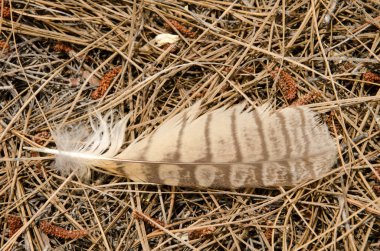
(225, 148)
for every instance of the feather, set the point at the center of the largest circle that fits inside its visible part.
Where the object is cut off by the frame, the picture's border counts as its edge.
(224, 148)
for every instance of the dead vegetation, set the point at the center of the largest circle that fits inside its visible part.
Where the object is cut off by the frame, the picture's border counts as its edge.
(227, 53)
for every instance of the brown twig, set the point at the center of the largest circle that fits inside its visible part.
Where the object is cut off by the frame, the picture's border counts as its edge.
(374, 176)
(61, 47)
(371, 77)
(105, 82)
(6, 11)
(268, 233)
(362, 205)
(60, 232)
(202, 233)
(332, 122)
(286, 84)
(41, 137)
(181, 28)
(147, 219)
(173, 48)
(307, 99)
(14, 223)
(243, 70)
(4, 45)
(376, 189)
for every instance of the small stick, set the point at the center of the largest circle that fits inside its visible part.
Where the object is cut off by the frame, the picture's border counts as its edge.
(14, 223)
(181, 28)
(286, 83)
(307, 99)
(105, 82)
(148, 220)
(5, 12)
(4, 46)
(60, 232)
(202, 233)
(371, 77)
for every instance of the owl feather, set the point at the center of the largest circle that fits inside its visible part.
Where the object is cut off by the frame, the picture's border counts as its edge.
(225, 148)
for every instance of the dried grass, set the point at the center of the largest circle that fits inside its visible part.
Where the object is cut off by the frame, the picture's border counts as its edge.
(226, 55)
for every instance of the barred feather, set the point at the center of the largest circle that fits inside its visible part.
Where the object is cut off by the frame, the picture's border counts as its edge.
(225, 148)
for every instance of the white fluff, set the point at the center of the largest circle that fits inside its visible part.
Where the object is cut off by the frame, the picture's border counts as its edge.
(165, 38)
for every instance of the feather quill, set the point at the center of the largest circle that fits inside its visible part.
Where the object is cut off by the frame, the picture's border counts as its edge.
(224, 148)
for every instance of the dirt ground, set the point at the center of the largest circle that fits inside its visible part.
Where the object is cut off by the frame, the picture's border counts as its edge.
(63, 61)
